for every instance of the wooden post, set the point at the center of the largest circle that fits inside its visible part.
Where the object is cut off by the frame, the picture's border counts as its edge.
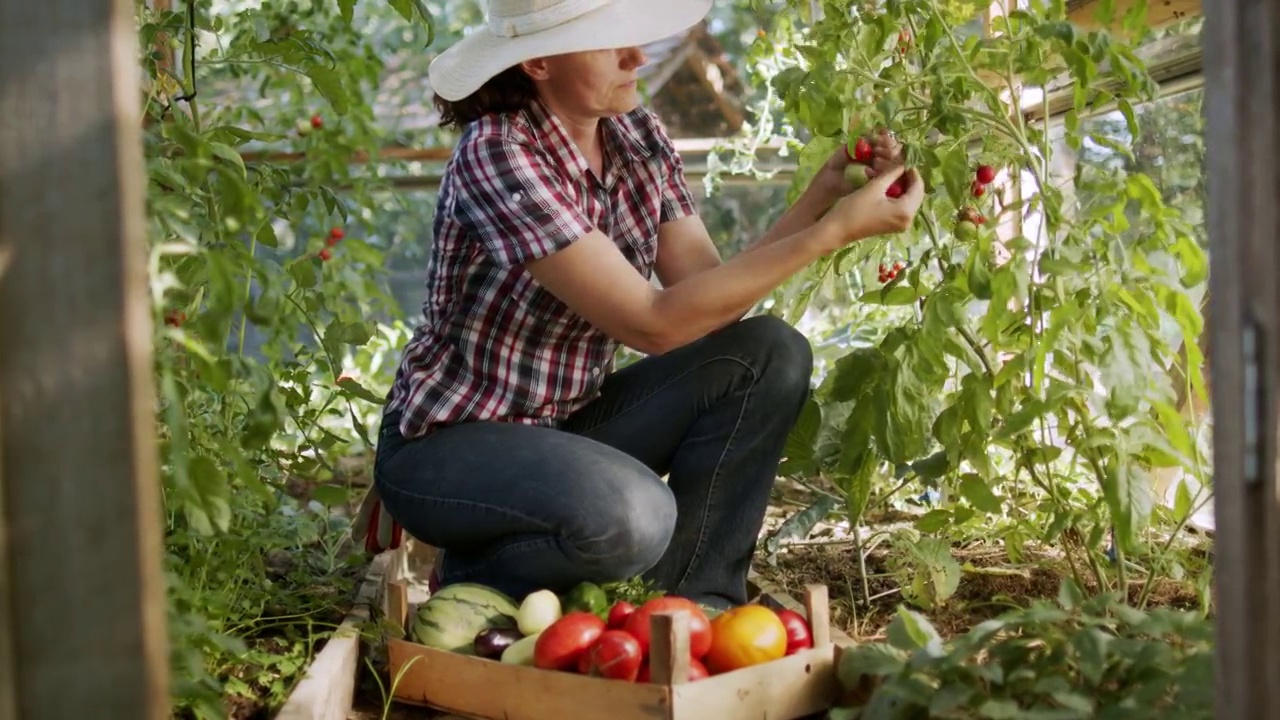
(1242, 52)
(83, 628)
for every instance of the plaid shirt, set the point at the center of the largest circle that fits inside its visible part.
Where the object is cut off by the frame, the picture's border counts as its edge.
(493, 344)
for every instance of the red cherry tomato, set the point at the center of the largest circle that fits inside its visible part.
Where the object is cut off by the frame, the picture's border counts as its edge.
(699, 626)
(862, 151)
(615, 655)
(978, 189)
(560, 646)
(697, 671)
(325, 254)
(897, 189)
(798, 635)
(317, 122)
(619, 613)
(986, 174)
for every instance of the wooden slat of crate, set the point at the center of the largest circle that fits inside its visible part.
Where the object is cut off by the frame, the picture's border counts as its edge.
(482, 688)
(793, 687)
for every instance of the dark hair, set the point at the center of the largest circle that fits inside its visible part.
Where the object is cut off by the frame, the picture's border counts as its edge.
(509, 91)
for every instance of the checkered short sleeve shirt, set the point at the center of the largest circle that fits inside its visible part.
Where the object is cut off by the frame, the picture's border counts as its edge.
(493, 344)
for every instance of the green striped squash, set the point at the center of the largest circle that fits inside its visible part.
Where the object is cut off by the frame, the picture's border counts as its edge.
(452, 617)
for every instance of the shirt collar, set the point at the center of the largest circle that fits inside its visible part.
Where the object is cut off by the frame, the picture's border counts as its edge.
(621, 143)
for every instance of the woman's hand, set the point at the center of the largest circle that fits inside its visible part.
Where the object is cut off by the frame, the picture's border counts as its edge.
(869, 212)
(830, 179)
(888, 153)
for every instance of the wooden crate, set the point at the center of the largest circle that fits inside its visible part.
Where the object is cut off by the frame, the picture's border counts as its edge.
(793, 687)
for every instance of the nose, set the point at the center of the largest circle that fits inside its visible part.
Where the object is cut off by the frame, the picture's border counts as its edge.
(632, 58)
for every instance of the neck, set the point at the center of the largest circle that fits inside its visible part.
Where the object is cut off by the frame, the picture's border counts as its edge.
(583, 130)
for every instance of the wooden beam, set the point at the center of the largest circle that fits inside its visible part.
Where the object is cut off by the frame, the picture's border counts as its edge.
(83, 631)
(1081, 13)
(1242, 99)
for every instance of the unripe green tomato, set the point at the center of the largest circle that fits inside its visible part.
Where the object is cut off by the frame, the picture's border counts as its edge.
(966, 231)
(856, 175)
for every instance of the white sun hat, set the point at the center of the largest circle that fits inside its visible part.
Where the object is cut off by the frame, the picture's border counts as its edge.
(520, 30)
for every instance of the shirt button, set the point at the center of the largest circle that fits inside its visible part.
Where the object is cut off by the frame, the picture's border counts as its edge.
(595, 372)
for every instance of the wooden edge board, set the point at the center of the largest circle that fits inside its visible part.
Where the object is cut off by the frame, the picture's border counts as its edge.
(764, 691)
(327, 690)
(772, 595)
(484, 688)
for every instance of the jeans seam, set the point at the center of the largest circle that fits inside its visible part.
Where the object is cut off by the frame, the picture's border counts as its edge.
(503, 551)
(465, 503)
(715, 481)
(669, 383)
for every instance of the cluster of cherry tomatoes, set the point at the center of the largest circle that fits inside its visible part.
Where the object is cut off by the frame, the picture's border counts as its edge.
(890, 272)
(335, 236)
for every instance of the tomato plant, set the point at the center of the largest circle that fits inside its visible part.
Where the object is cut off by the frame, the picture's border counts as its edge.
(1012, 374)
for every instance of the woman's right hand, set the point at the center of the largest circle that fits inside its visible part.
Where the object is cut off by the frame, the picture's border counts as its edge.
(868, 211)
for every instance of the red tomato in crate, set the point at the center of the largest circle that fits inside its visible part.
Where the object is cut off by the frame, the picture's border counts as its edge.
(619, 613)
(699, 626)
(615, 655)
(560, 646)
(799, 636)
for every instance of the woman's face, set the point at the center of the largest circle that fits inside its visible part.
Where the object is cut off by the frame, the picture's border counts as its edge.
(596, 83)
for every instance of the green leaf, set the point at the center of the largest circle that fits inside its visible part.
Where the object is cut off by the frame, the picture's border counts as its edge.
(933, 521)
(976, 491)
(869, 660)
(1090, 644)
(210, 508)
(331, 495)
(347, 8)
(854, 374)
(897, 295)
(1069, 594)
(351, 387)
(329, 85)
(910, 630)
(303, 271)
(1000, 709)
(266, 235)
(1182, 502)
(229, 154)
(803, 438)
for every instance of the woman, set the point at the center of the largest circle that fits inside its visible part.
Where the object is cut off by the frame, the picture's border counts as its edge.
(508, 440)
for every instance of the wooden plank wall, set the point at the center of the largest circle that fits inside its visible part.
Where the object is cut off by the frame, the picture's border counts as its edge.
(83, 628)
(1242, 54)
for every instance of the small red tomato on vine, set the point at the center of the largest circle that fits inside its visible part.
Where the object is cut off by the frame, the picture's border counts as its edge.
(904, 41)
(317, 122)
(898, 267)
(898, 188)
(978, 189)
(862, 151)
(325, 255)
(986, 174)
(175, 318)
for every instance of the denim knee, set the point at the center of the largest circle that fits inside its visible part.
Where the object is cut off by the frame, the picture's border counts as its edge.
(785, 357)
(628, 534)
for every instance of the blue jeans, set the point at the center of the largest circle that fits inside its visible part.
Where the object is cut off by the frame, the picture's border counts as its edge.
(519, 507)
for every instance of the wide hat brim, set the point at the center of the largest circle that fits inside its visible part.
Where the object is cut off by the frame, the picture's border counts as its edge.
(472, 61)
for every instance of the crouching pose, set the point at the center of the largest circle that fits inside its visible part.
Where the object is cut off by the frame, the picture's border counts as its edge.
(509, 439)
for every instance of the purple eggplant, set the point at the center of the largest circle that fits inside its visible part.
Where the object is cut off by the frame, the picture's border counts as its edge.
(490, 642)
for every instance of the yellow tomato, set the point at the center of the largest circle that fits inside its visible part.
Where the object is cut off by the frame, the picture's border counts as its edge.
(746, 635)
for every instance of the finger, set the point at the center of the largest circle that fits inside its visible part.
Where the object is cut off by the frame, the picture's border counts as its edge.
(886, 177)
(915, 186)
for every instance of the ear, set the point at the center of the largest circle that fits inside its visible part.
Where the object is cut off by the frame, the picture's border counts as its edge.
(537, 68)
